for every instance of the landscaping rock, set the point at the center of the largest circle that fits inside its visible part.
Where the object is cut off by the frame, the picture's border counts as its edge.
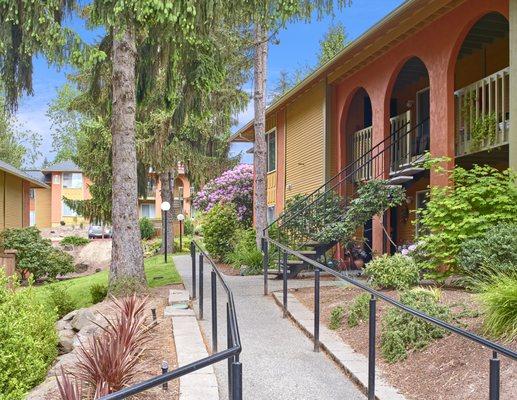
(66, 340)
(63, 325)
(81, 267)
(70, 315)
(66, 361)
(83, 318)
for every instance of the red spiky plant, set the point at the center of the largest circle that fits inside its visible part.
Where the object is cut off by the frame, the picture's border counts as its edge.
(109, 361)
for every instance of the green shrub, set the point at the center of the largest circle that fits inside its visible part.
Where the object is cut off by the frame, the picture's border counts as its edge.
(402, 332)
(478, 199)
(188, 226)
(246, 253)
(496, 248)
(393, 272)
(359, 310)
(28, 340)
(98, 292)
(147, 230)
(151, 247)
(35, 254)
(74, 241)
(498, 296)
(60, 299)
(219, 227)
(336, 317)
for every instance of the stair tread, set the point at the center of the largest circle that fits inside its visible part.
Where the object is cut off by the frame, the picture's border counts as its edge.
(294, 262)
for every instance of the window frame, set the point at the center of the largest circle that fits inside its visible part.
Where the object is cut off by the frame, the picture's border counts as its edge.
(72, 180)
(63, 206)
(268, 134)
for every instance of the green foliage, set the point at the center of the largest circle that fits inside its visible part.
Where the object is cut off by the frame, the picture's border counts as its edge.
(373, 198)
(336, 317)
(60, 299)
(98, 292)
(35, 254)
(359, 310)
(74, 241)
(393, 272)
(245, 253)
(332, 43)
(477, 200)
(188, 226)
(219, 227)
(402, 332)
(498, 295)
(483, 127)
(497, 248)
(147, 230)
(28, 340)
(151, 247)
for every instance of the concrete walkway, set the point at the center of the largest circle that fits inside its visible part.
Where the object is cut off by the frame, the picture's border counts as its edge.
(278, 359)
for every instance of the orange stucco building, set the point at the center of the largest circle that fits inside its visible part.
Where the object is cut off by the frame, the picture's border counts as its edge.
(419, 81)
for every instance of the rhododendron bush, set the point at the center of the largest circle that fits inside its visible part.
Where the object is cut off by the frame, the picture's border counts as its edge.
(234, 186)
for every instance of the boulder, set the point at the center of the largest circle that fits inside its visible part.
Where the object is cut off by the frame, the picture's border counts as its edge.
(63, 325)
(67, 361)
(70, 315)
(81, 267)
(84, 317)
(66, 340)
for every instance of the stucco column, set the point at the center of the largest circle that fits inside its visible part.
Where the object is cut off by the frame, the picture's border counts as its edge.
(441, 108)
(513, 85)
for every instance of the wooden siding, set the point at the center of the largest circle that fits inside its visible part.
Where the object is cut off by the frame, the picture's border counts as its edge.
(2, 199)
(271, 188)
(13, 202)
(305, 142)
(43, 206)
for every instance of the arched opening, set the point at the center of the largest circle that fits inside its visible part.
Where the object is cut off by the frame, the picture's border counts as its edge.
(357, 129)
(409, 115)
(410, 139)
(481, 83)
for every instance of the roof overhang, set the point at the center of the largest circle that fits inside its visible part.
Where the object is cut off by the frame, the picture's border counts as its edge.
(34, 183)
(402, 22)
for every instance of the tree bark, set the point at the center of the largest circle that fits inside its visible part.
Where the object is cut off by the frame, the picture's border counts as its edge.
(259, 153)
(166, 192)
(126, 255)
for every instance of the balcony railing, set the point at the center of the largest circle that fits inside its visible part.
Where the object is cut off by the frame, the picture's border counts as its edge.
(361, 144)
(483, 113)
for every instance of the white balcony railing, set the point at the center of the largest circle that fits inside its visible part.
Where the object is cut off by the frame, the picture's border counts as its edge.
(483, 113)
(401, 150)
(361, 144)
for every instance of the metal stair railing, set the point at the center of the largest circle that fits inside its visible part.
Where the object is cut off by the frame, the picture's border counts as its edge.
(233, 349)
(494, 383)
(384, 155)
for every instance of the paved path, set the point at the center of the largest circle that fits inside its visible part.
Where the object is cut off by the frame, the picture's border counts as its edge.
(278, 359)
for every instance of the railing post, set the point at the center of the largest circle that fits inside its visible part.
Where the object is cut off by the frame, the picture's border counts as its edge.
(371, 349)
(494, 377)
(316, 309)
(265, 263)
(229, 342)
(237, 381)
(193, 255)
(201, 297)
(213, 283)
(285, 284)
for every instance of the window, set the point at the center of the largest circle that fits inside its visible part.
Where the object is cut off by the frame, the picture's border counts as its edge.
(67, 211)
(421, 204)
(147, 210)
(271, 151)
(32, 218)
(271, 211)
(56, 179)
(31, 193)
(72, 180)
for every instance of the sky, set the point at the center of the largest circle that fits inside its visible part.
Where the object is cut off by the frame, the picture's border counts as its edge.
(298, 46)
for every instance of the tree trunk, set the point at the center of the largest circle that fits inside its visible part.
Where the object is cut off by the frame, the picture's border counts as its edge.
(126, 255)
(167, 224)
(259, 153)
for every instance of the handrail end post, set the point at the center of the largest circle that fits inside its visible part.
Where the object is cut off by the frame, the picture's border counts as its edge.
(495, 368)
(371, 347)
(237, 381)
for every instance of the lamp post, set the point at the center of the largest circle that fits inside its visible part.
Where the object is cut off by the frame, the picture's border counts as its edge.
(165, 207)
(181, 218)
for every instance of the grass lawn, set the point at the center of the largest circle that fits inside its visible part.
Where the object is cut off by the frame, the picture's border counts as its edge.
(157, 273)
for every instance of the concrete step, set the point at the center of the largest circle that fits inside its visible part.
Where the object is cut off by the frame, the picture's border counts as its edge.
(178, 296)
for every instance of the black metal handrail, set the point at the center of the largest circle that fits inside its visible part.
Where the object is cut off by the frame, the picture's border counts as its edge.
(364, 160)
(231, 353)
(494, 384)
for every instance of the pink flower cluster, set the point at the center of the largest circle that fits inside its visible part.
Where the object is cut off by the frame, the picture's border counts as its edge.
(234, 186)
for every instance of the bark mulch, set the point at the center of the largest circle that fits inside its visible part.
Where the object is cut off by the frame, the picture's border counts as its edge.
(452, 368)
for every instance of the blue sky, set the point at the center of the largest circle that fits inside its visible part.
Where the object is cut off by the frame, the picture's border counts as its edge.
(299, 44)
